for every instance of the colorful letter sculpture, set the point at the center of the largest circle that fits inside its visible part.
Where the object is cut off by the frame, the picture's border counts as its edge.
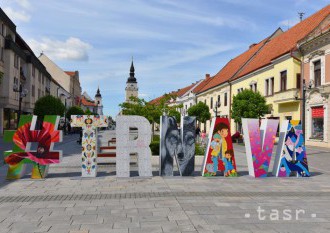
(177, 145)
(291, 152)
(139, 145)
(89, 123)
(22, 153)
(188, 136)
(259, 143)
(219, 154)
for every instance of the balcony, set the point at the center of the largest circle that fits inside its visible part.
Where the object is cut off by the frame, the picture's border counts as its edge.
(286, 96)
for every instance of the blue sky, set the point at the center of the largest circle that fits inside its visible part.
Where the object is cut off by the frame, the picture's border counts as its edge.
(174, 42)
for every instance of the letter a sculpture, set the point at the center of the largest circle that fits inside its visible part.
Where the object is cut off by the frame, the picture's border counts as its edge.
(89, 123)
(291, 151)
(21, 154)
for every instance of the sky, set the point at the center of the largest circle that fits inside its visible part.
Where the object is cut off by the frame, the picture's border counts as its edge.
(173, 42)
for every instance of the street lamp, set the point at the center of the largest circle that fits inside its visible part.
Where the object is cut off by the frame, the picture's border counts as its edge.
(215, 109)
(65, 98)
(22, 93)
(303, 99)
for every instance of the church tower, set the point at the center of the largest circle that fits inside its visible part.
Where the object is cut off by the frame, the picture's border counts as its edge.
(131, 84)
(98, 102)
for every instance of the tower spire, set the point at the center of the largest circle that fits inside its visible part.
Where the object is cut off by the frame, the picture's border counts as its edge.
(131, 78)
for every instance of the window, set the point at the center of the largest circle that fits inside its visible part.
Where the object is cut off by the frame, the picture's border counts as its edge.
(3, 29)
(43, 79)
(317, 122)
(33, 91)
(2, 54)
(219, 100)
(253, 87)
(211, 103)
(39, 93)
(33, 71)
(225, 99)
(239, 90)
(16, 60)
(39, 77)
(271, 86)
(283, 80)
(298, 78)
(317, 73)
(205, 101)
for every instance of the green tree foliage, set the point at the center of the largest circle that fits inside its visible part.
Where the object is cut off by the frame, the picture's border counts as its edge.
(200, 111)
(150, 111)
(48, 105)
(88, 112)
(74, 110)
(248, 104)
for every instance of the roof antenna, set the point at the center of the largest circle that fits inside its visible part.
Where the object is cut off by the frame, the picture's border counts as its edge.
(301, 15)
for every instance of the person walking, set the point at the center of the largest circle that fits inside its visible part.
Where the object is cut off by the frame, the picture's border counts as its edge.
(198, 131)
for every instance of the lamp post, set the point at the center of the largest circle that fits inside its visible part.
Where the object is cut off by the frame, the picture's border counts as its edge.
(215, 109)
(22, 93)
(303, 99)
(65, 98)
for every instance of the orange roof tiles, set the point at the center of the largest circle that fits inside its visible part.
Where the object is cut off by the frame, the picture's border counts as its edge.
(70, 73)
(232, 67)
(86, 102)
(285, 42)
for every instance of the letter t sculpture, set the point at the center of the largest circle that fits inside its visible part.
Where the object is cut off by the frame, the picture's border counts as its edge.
(89, 123)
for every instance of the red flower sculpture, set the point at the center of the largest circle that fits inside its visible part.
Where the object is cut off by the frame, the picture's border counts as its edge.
(44, 137)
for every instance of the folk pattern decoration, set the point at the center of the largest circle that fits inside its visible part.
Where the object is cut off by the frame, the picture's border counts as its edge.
(89, 123)
(21, 154)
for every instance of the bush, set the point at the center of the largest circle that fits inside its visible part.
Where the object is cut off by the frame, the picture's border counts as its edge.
(74, 110)
(199, 150)
(48, 105)
(154, 146)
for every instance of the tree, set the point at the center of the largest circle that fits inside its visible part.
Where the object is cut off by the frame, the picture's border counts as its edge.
(200, 111)
(88, 112)
(74, 110)
(150, 111)
(248, 104)
(48, 105)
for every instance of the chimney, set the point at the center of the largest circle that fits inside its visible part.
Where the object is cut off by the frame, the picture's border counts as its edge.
(207, 76)
(252, 45)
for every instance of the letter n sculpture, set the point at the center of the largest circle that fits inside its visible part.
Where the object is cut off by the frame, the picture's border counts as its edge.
(219, 154)
(259, 144)
(89, 123)
(291, 151)
(21, 154)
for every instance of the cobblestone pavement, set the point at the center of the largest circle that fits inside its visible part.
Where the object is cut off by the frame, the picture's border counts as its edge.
(65, 202)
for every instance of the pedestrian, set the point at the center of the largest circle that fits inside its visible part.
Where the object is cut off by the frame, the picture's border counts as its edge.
(203, 136)
(198, 131)
(69, 128)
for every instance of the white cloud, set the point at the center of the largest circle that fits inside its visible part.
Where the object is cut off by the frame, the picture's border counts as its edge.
(71, 49)
(24, 3)
(17, 15)
(289, 22)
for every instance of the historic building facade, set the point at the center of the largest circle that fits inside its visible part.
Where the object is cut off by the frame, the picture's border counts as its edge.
(316, 73)
(131, 89)
(24, 79)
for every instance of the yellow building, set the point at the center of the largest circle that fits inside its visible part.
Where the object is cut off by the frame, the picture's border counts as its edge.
(275, 71)
(272, 67)
(217, 91)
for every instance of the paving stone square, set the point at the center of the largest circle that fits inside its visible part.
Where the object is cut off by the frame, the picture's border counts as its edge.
(65, 202)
